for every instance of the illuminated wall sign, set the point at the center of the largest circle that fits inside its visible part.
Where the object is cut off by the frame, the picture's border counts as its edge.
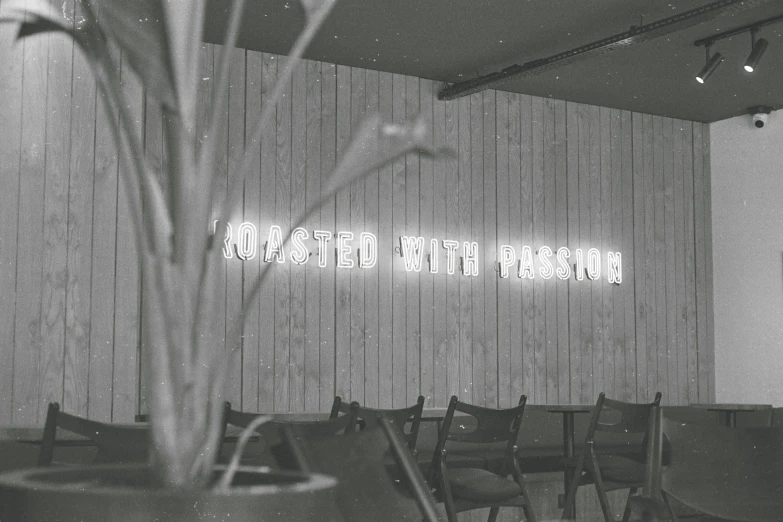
(526, 263)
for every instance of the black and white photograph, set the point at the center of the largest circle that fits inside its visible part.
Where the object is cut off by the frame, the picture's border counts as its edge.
(391, 260)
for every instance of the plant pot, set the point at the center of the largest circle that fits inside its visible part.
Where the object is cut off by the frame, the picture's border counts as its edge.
(123, 493)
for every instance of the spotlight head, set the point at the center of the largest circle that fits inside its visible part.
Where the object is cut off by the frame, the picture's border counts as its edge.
(709, 67)
(755, 54)
(760, 115)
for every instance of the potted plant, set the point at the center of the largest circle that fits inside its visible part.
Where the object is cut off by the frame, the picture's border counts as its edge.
(175, 233)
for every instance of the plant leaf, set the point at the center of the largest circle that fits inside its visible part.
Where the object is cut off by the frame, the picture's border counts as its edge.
(311, 7)
(139, 29)
(34, 16)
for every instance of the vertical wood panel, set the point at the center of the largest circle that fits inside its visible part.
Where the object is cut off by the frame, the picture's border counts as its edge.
(585, 288)
(549, 237)
(489, 252)
(594, 239)
(399, 313)
(356, 194)
(298, 205)
(679, 258)
(104, 230)
(465, 305)
(561, 238)
(574, 287)
(709, 340)
(387, 350)
(55, 254)
(660, 257)
(515, 239)
(427, 339)
(372, 370)
(234, 380)
(412, 322)
(249, 86)
(312, 271)
(453, 136)
(649, 260)
(328, 148)
(11, 58)
(699, 226)
(127, 284)
(80, 237)
(244, 76)
(528, 347)
(443, 320)
(607, 311)
(504, 317)
(527, 171)
(614, 239)
(690, 266)
(283, 170)
(629, 253)
(538, 390)
(478, 345)
(27, 327)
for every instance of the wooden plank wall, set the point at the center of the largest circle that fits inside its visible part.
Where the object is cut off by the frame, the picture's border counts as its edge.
(527, 171)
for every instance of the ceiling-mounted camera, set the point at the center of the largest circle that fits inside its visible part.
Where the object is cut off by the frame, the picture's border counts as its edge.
(760, 115)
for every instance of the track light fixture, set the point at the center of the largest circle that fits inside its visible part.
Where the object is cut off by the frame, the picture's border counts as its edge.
(711, 63)
(757, 48)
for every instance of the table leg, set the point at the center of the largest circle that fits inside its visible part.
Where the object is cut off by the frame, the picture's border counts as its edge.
(568, 451)
(731, 419)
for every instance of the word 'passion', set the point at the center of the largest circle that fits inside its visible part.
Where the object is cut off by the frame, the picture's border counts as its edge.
(441, 255)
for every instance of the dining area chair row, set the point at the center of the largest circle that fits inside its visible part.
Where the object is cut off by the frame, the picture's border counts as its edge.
(477, 458)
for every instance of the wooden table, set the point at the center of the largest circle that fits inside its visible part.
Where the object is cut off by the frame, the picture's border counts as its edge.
(568, 411)
(730, 410)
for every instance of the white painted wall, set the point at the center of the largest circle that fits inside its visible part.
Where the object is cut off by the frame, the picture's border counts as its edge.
(747, 228)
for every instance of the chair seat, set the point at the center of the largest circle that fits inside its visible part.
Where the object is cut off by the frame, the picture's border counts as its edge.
(480, 485)
(615, 468)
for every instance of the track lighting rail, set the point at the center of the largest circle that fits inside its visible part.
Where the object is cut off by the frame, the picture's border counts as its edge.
(635, 34)
(755, 26)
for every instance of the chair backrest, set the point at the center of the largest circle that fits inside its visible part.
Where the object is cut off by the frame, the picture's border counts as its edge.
(732, 473)
(273, 448)
(620, 424)
(491, 429)
(399, 417)
(116, 444)
(377, 476)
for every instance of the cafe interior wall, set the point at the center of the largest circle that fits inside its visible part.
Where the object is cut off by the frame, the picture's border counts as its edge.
(747, 191)
(526, 171)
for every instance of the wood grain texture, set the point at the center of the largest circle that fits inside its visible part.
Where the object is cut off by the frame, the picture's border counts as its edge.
(127, 292)
(79, 242)
(524, 171)
(11, 56)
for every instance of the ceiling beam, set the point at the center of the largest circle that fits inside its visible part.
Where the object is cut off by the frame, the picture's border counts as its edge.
(636, 34)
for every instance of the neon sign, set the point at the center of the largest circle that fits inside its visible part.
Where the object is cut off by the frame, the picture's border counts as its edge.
(526, 263)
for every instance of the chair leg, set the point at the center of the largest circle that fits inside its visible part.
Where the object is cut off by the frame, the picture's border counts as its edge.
(493, 514)
(572, 487)
(628, 506)
(672, 516)
(530, 515)
(599, 488)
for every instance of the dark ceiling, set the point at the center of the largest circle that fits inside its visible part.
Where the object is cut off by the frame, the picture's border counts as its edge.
(453, 40)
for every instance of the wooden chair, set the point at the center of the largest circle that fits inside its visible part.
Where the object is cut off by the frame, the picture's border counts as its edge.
(272, 448)
(730, 473)
(368, 487)
(614, 452)
(398, 417)
(495, 435)
(116, 444)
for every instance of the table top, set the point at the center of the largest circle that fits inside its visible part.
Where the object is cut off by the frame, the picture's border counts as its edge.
(733, 407)
(569, 408)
